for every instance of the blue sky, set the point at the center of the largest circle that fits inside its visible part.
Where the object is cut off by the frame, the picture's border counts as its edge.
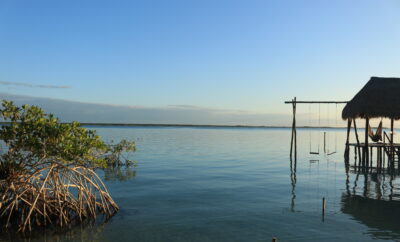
(228, 55)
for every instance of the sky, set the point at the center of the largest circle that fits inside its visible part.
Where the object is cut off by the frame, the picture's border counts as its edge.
(242, 57)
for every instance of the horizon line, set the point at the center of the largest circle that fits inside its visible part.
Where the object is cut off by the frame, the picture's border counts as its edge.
(201, 125)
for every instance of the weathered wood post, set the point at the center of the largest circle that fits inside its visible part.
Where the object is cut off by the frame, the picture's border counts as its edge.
(384, 148)
(391, 139)
(293, 128)
(292, 138)
(371, 156)
(366, 153)
(347, 150)
(358, 140)
(391, 129)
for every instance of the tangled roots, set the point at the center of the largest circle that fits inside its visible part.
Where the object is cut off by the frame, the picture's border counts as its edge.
(54, 194)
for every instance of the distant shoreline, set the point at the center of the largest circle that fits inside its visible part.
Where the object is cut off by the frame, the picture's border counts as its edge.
(196, 125)
(203, 125)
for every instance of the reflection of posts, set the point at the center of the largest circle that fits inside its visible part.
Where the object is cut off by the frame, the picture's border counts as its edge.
(347, 169)
(374, 205)
(293, 179)
(374, 184)
(379, 215)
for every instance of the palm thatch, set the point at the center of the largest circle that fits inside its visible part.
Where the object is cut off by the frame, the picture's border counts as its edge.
(380, 97)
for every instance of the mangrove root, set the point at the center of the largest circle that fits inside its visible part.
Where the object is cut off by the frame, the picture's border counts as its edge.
(53, 194)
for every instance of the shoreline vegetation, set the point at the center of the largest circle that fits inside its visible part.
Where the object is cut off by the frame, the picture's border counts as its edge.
(47, 171)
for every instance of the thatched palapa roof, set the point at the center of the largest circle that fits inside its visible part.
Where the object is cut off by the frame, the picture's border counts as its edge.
(380, 97)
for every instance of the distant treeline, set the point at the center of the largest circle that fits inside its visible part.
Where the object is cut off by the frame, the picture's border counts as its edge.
(195, 125)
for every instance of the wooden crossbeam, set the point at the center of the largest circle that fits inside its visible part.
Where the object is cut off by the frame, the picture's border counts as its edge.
(315, 102)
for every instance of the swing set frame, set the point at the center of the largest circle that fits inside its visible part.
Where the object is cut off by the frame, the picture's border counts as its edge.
(293, 142)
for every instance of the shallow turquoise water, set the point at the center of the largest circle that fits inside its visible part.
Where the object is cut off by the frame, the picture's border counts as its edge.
(236, 184)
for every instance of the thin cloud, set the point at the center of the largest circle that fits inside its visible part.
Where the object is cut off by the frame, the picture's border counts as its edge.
(105, 113)
(23, 84)
(206, 109)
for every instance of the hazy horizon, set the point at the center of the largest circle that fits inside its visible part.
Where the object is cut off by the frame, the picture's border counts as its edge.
(208, 62)
(83, 112)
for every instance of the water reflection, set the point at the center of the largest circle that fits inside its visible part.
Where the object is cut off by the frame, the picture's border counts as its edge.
(119, 173)
(380, 216)
(293, 167)
(374, 201)
(82, 232)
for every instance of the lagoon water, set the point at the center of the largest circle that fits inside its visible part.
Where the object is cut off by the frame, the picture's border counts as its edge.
(237, 184)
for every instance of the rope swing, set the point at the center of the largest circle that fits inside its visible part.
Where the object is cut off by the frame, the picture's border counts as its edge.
(336, 119)
(319, 123)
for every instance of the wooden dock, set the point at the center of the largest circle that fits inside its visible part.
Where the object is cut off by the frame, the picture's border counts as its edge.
(382, 156)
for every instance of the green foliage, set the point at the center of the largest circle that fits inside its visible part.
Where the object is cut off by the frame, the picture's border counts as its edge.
(46, 170)
(34, 136)
(115, 156)
(9, 169)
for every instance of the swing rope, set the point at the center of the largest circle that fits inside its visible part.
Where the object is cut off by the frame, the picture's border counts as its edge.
(309, 125)
(336, 115)
(333, 152)
(313, 152)
(319, 125)
(327, 133)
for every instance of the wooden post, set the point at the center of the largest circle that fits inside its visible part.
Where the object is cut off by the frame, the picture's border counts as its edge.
(391, 139)
(348, 131)
(378, 152)
(358, 141)
(293, 139)
(366, 153)
(295, 130)
(391, 129)
(323, 206)
(384, 149)
(346, 153)
(371, 156)
(324, 142)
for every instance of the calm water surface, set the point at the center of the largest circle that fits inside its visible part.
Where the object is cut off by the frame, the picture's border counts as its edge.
(236, 184)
